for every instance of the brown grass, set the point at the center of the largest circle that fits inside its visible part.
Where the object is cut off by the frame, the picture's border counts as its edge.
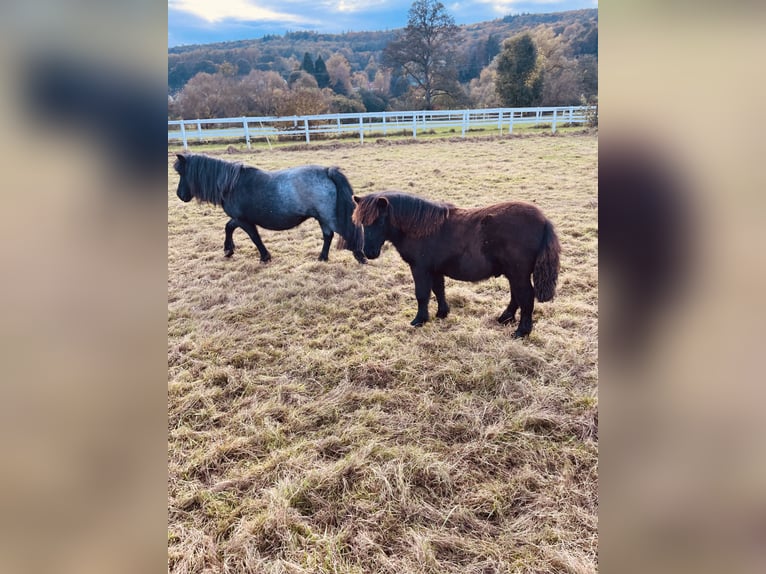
(312, 430)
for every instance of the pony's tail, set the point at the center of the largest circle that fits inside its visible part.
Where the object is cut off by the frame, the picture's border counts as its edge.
(546, 271)
(351, 236)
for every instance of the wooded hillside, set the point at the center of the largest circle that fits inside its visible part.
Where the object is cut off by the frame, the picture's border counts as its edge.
(359, 77)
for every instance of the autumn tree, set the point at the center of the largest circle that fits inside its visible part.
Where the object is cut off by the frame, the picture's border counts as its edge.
(423, 51)
(262, 92)
(560, 74)
(208, 96)
(339, 71)
(482, 89)
(299, 80)
(519, 82)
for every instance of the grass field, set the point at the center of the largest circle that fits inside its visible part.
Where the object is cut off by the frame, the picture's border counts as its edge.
(311, 429)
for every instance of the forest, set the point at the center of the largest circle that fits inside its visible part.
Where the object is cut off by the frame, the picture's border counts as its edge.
(519, 60)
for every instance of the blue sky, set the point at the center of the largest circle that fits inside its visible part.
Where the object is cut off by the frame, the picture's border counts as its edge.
(205, 21)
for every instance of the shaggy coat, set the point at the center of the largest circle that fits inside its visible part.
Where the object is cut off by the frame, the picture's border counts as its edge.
(441, 240)
(274, 200)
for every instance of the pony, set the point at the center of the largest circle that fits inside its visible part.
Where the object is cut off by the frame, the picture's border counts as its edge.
(275, 200)
(441, 240)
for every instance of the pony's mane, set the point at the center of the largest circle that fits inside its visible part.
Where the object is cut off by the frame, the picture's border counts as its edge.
(210, 179)
(413, 215)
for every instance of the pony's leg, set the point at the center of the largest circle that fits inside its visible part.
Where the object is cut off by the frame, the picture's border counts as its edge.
(327, 237)
(509, 315)
(525, 296)
(228, 242)
(438, 288)
(252, 231)
(423, 283)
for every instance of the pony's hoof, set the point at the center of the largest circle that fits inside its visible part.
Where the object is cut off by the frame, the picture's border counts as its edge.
(506, 320)
(321, 258)
(416, 322)
(228, 252)
(360, 258)
(442, 314)
(520, 334)
(266, 259)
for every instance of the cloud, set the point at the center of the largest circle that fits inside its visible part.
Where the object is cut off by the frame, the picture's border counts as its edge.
(242, 10)
(351, 6)
(509, 6)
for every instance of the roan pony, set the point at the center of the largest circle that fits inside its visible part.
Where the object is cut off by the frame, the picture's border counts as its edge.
(438, 239)
(274, 200)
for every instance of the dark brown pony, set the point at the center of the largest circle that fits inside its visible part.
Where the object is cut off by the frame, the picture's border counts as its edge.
(438, 239)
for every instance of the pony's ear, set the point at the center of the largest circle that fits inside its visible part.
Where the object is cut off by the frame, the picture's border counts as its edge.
(181, 158)
(355, 198)
(382, 203)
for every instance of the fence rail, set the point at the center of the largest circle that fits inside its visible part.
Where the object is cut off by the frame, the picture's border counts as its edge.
(370, 123)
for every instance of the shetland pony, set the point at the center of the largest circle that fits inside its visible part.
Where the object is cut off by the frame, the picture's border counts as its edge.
(441, 240)
(274, 200)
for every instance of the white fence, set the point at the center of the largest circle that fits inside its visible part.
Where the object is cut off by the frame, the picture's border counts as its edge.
(370, 123)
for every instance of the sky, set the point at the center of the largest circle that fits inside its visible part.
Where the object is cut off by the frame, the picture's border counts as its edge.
(206, 21)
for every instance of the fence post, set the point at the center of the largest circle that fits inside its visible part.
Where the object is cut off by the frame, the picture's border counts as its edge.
(306, 129)
(553, 127)
(361, 129)
(414, 124)
(500, 121)
(510, 123)
(199, 130)
(384, 124)
(247, 132)
(465, 121)
(183, 135)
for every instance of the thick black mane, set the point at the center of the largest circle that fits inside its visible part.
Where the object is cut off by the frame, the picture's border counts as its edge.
(413, 215)
(209, 179)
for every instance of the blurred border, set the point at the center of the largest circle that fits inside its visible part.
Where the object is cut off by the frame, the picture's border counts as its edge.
(84, 295)
(681, 269)
(83, 99)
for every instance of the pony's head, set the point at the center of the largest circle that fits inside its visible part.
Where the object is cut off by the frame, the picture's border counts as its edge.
(393, 215)
(372, 212)
(184, 191)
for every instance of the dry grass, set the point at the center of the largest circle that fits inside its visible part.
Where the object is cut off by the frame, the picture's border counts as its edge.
(312, 430)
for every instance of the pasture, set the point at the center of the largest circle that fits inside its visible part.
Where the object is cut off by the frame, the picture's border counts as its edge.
(311, 429)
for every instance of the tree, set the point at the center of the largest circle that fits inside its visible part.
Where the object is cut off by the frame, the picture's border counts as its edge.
(320, 73)
(308, 64)
(243, 67)
(302, 102)
(424, 50)
(208, 96)
(227, 69)
(339, 71)
(519, 81)
(561, 79)
(373, 101)
(301, 80)
(263, 92)
(491, 49)
(482, 89)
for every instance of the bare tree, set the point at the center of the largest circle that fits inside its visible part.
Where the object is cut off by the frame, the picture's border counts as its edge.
(424, 50)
